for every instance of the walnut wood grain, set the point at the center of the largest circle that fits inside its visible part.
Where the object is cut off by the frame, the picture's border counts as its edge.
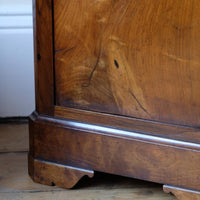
(181, 133)
(116, 151)
(43, 56)
(182, 194)
(124, 76)
(15, 183)
(50, 173)
(133, 58)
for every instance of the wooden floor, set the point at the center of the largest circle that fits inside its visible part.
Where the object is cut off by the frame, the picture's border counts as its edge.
(15, 183)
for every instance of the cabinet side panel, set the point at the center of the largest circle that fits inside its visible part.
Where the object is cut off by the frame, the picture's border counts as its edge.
(43, 56)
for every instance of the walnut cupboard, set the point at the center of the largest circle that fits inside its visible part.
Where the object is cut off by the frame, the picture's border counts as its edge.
(117, 91)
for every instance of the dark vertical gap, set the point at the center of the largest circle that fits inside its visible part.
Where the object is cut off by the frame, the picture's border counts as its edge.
(53, 40)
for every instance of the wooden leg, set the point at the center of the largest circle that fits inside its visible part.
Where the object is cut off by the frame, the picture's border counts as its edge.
(182, 194)
(50, 173)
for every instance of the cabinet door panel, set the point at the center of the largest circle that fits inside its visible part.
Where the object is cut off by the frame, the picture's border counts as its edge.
(133, 58)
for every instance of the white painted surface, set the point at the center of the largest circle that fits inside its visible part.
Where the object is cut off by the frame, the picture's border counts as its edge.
(16, 58)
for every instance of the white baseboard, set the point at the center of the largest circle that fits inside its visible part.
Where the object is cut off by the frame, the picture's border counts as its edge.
(16, 58)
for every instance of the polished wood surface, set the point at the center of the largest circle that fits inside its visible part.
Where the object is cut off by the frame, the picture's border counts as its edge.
(56, 174)
(43, 55)
(133, 58)
(15, 183)
(180, 133)
(182, 194)
(115, 151)
(117, 91)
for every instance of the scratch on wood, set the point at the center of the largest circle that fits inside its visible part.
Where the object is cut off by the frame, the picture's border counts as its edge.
(59, 50)
(68, 50)
(174, 57)
(91, 75)
(182, 28)
(138, 102)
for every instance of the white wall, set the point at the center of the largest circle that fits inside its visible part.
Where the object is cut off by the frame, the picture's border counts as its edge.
(16, 58)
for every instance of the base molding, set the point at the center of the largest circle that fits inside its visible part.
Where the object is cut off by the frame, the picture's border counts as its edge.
(50, 173)
(57, 144)
(181, 193)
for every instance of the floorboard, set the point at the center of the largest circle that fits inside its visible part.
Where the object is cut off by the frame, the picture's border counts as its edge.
(13, 137)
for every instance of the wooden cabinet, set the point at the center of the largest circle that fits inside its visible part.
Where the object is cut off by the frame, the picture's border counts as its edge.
(117, 91)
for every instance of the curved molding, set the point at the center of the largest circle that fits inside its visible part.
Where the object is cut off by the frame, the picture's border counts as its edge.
(182, 194)
(115, 151)
(50, 173)
(116, 132)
